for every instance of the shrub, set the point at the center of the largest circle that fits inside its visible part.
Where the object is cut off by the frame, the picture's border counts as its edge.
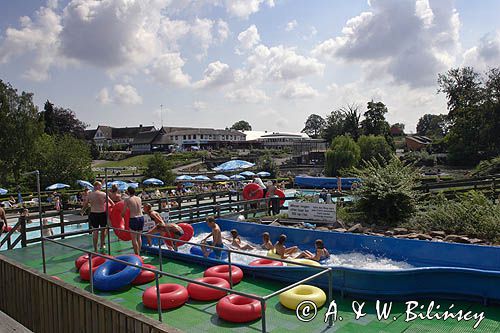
(344, 154)
(159, 167)
(372, 146)
(488, 167)
(419, 159)
(386, 196)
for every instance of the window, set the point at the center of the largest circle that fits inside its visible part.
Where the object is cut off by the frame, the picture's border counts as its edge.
(189, 137)
(194, 136)
(201, 136)
(176, 137)
(184, 137)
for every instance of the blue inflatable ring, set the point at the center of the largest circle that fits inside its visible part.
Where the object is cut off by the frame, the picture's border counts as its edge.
(114, 275)
(196, 250)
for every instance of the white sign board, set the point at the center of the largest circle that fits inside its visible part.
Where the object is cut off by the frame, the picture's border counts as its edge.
(149, 223)
(312, 211)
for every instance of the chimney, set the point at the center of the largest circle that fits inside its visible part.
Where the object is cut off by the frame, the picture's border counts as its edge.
(140, 125)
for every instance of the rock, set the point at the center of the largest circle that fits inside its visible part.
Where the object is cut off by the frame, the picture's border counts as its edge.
(400, 231)
(476, 241)
(411, 236)
(389, 233)
(424, 237)
(275, 223)
(322, 228)
(340, 230)
(457, 239)
(438, 234)
(357, 228)
(338, 224)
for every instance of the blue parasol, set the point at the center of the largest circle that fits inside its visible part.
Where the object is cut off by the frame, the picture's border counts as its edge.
(221, 177)
(236, 177)
(263, 174)
(201, 178)
(85, 184)
(233, 165)
(3, 191)
(153, 181)
(57, 186)
(247, 173)
(183, 178)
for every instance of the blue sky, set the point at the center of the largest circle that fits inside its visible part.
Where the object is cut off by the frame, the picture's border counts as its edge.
(214, 62)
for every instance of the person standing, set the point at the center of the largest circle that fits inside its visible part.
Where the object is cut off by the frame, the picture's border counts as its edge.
(3, 219)
(136, 222)
(274, 205)
(97, 216)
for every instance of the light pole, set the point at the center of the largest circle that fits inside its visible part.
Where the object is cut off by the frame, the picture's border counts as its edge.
(37, 173)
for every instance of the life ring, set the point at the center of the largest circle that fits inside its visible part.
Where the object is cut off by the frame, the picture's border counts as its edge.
(81, 260)
(293, 297)
(202, 293)
(113, 275)
(117, 221)
(252, 191)
(7, 228)
(56, 277)
(222, 271)
(196, 250)
(171, 296)
(238, 309)
(145, 276)
(280, 194)
(266, 262)
(85, 269)
(305, 261)
(188, 234)
(273, 254)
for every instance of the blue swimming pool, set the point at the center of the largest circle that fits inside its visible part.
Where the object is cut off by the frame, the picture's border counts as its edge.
(438, 269)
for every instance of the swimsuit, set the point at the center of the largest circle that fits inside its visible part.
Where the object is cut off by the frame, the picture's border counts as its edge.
(98, 220)
(136, 223)
(218, 249)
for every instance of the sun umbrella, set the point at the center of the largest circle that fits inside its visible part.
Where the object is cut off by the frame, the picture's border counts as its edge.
(85, 184)
(233, 165)
(263, 174)
(183, 178)
(247, 173)
(201, 178)
(221, 177)
(56, 186)
(237, 177)
(133, 185)
(3, 191)
(153, 181)
(117, 183)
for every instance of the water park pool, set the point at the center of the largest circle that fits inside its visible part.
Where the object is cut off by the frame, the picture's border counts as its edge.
(399, 267)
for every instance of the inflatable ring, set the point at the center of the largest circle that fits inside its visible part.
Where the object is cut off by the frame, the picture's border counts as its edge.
(117, 221)
(145, 276)
(272, 254)
(56, 277)
(266, 262)
(305, 261)
(81, 260)
(113, 275)
(280, 194)
(171, 296)
(7, 228)
(222, 271)
(293, 297)
(252, 191)
(202, 293)
(196, 250)
(188, 234)
(85, 271)
(238, 309)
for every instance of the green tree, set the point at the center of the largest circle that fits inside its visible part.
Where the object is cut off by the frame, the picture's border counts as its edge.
(386, 196)
(60, 121)
(94, 151)
(61, 159)
(343, 121)
(343, 154)
(374, 147)
(432, 125)
(314, 126)
(158, 167)
(242, 125)
(266, 163)
(374, 122)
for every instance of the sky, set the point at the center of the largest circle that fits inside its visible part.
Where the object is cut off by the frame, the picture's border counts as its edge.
(271, 62)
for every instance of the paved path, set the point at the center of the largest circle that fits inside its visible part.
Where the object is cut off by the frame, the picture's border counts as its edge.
(7, 324)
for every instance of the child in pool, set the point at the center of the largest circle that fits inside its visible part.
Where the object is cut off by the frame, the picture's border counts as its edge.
(321, 252)
(282, 250)
(237, 243)
(216, 239)
(267, 244)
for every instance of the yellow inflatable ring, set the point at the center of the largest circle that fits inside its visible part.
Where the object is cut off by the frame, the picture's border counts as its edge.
(293, 297)
(272, 254)
(305, 261)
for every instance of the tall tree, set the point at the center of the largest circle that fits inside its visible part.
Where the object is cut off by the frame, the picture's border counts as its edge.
(242, 125)
(343, 155)
(343, 121)
(374, 122)
(314, 126)
(375, 147)
(60, 121)
(159, 167)
(432, 125)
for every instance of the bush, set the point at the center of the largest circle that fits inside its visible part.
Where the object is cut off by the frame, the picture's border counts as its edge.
(419, 159)
(471, 213)
(386, 196)
(159, 167)
(488, 167)
(372, 146)
(344, 154)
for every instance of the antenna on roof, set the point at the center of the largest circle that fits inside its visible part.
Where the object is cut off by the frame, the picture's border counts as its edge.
(161, 114)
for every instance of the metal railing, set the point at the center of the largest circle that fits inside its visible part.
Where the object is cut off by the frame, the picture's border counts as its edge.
(160, 272)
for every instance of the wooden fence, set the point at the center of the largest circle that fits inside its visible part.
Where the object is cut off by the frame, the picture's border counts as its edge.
(43, 304)
(488, 184)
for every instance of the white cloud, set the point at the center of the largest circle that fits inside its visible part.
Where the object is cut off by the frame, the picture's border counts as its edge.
(167, 69)
(248, 39)
(216, 74)
(248, 95)
(291, 25)
(171, 31)
(199, 105)
(410, 41)
(103, 96)
(222, 30)
(122, 94)
(298, 90)
(486, 54)
(245, 8)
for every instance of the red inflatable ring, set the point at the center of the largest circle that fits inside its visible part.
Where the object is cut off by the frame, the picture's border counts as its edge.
(280, 194)
(252, 191)
(81, 260)
(145, 276)
(222, 271)
(238, 309)
(171, 296)
(202, 293)
(85, 271)
(265, 262)
(117, 221)
(188, 234)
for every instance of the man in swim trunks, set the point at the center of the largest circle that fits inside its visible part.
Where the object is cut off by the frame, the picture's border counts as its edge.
(3, 219)
(136, 222)
(162, 227)
(97, 217)
(216, 239)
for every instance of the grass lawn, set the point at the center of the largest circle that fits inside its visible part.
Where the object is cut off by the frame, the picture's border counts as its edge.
(139, 161)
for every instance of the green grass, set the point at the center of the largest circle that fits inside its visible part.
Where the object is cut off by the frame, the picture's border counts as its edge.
(139, 161)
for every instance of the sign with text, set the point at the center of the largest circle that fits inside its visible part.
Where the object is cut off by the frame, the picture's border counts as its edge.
(312, 211)
(150, 224)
